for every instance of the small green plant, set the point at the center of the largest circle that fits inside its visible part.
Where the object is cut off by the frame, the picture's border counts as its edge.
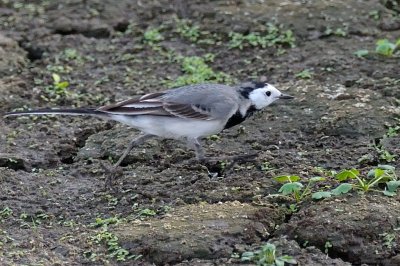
(305, 74)
(147, 213)
(295, 190)
(266, 167)
(375, 14)
(383, 47)
(59, 86)
(5, 239)
(266, 256)
(337, 32)
(379, 175)
(384, 154)
(393, 131)
(196, 70)
(32, 221)
(5, 213)
(186, 30)
(114, 249)
(388, 239)
(71, 54)
(152, 36)
(275, 36)
(101, 222)
(57, 90)
(386, 48)
(111, 200)
(327, 246)
(104, 236)
(56, 68)
(361, 53)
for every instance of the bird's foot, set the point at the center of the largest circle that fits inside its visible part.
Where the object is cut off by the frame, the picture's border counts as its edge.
(111, 174)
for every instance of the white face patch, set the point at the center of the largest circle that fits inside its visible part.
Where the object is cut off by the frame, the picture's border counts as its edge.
(264, 96)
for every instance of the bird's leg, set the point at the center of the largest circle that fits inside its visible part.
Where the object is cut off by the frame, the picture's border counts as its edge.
(135, 142)
(194, 143)
(198, 150)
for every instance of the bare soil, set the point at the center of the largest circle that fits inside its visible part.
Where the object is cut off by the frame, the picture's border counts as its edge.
(171, 213)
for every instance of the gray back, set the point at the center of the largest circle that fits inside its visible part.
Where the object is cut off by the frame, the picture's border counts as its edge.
(219, 99)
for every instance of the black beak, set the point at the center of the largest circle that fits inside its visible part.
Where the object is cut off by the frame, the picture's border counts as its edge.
(285, 96)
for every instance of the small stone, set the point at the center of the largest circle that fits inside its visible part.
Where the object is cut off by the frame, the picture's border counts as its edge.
(389, 25)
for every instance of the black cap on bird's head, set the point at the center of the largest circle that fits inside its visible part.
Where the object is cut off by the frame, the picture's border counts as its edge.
(261, 94)
(247, 87)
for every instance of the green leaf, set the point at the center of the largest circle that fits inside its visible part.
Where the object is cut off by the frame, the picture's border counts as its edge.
(393, 185)
(342, 189)
(56, 78)
(386, 167)
(379, 172)
(305, 74)
(321, 195)
(288, 259)
(287, 178)
(247, 256)
(290, 188)
(388, 193)
(147, 212)
(384, 47)
(317, 179)
(361, 53)
(62, 85)
(347, 174)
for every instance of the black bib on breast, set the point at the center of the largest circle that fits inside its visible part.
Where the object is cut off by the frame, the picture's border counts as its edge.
(238, 118)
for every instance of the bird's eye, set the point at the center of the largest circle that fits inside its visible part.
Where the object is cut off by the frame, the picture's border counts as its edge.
(268, 93)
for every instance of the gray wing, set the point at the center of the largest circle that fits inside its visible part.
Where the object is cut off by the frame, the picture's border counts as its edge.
(201, 101)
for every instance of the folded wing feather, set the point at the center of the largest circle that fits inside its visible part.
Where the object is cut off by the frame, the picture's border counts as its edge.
(154, 104)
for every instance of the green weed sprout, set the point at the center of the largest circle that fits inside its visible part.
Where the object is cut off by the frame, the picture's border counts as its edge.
(111, 240)
(274, 36)
(294, 189)
(187, 31)
(386, 48)
(266, 256)
(383, 47)
(57, 90)
(196, 70)
(381, 174)
(58, 85)
(305, 74)
(152, 36)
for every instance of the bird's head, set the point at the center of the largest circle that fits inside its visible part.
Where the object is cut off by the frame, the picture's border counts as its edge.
(261, 94)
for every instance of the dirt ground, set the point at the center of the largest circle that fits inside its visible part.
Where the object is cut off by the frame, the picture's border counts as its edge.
(53, 206)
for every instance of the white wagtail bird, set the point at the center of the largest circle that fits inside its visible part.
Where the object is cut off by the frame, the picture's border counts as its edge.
(190, 112)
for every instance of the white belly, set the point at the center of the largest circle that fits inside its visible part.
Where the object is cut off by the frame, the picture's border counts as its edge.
(170, 127)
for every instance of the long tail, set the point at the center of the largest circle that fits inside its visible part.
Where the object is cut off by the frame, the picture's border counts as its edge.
(47, 111)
